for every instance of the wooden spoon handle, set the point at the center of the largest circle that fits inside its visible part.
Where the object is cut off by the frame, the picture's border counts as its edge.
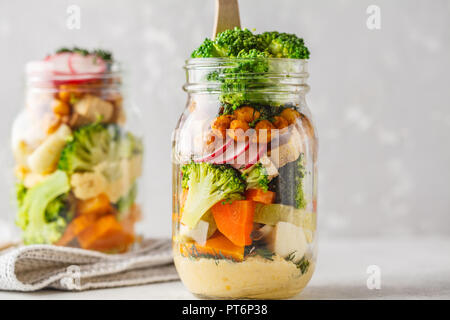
(227, 16)
(4, 246)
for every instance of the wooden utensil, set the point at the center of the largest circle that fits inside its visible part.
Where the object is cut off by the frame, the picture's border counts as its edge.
(7, 245)
(227, 16)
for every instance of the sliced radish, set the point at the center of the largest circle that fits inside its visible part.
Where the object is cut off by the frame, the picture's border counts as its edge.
(216, 153)
(89, 64)
(253, 157)
(59, 63)
(233, 152)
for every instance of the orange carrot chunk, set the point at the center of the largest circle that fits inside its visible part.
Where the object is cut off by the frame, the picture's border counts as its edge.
(259, 195)
(106, 234)
(235, 220)
(218, 246)
(98, 205)
(75, 227)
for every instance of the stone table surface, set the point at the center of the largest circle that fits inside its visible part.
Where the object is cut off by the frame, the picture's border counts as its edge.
(409, 268)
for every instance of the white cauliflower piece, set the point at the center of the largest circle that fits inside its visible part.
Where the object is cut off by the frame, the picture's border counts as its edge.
(87, 185)
(46, 156)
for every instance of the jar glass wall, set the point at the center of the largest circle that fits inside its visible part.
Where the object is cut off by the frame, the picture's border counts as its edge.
(77, 163)
(244, 180)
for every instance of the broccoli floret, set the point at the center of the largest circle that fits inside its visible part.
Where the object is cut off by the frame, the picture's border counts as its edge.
(208, 184)
(21, 191)
(38, 214)
(229, 43)
(88, 147)
(242, 80)
(95, 143)
(126, 202)
(55, 207)
(242, 43)
(130, 145)
(256, 177)
(285, 45)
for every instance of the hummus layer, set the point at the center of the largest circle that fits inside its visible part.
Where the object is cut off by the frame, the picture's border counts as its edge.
(254, 278)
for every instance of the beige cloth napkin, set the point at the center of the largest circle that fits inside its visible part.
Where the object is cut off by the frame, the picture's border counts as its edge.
(30, 268)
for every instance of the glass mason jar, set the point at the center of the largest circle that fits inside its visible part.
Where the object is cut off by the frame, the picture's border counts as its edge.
(77, 163)
(245, 179)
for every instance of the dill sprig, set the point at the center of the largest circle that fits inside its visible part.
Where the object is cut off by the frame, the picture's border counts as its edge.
(100, 53)
(302, 264)
(258, 251)
(194, 253)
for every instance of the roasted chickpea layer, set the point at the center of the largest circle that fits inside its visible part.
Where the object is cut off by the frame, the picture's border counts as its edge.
(247, 114)
(263, 132)
(290, 115)
(221, 124)
(237, 130)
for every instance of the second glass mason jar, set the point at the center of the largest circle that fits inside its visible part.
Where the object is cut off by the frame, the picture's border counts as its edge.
(77, 161)
(244, 179)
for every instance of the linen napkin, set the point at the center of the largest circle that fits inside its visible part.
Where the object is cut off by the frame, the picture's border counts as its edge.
(35, 267)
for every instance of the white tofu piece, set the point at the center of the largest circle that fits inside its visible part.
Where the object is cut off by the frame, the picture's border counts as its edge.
(288, 239)
(270, 167)
(288, 152)
(199, 233)
(92, 108)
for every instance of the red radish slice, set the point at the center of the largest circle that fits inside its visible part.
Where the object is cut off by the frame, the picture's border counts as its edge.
(254, 158)
(89, 64)
(215, 153)
(59, 63)
(232, 153)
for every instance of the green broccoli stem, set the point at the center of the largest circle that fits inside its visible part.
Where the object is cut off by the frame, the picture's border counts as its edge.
(208, 184)
(31, 216)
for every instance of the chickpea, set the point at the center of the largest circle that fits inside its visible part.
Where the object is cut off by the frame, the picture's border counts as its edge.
(290, 115)
(280, 122)
(221, 124)
(237, 130)
(263, 136)
(210, 138)
(247, 114)
(67, 91)
(60, 107)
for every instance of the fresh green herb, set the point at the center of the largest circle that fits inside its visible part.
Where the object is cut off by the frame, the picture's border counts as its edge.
(193, 253)
(262, 251)
(102, 54)
(302, 264)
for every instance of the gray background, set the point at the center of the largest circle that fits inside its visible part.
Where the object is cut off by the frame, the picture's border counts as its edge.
(380, 98)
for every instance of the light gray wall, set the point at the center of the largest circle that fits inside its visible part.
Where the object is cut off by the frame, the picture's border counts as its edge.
(380, 98)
